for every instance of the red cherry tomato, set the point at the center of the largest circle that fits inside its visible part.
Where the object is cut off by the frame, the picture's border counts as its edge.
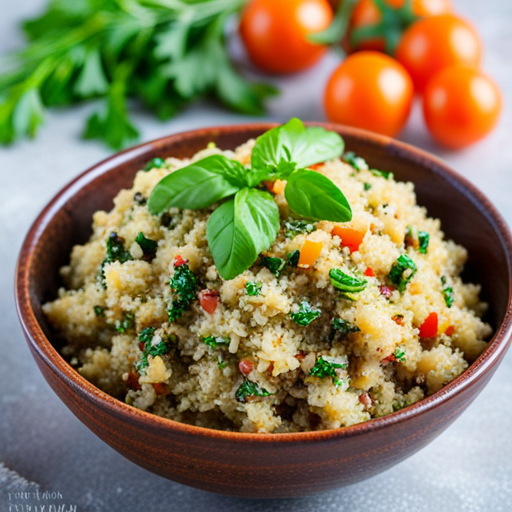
(245, 366)
(370, 90)
(428, 328)
(434, 43)
(461, 106)
(275, 33)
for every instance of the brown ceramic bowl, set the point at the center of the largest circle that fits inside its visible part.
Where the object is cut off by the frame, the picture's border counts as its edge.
(265, 465)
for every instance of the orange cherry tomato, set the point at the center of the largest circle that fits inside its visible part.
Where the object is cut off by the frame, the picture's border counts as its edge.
(461, 106)
(434, 43)
(370, 90)
(366, 13)
(275, 33)
(428, 328)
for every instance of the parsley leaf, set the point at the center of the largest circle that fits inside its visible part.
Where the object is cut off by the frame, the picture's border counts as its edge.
(358, 163)
(155, 163)
(149, 247)
(402, 272)
(275, 265)
(448, 294)
(343, 327)
(298, 227)
(184, 285)
(253, 288)
(248, 390)
(306, 314)
(293, 258)
(149, 349)
(326, 367)
(216, 341)
(127, 322)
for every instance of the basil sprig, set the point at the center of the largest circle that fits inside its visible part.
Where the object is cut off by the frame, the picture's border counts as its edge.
(247, 224)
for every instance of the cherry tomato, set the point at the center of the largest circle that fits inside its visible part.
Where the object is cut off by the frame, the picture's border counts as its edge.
(367, 13)
(434, 43)
(461, 106)
(275, 33)
(370, 90)
(209, 300)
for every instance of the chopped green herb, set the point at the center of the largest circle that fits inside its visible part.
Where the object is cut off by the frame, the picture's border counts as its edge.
(293, 258)
(146, 337)
(221, 363)
(306, 314)
(184, 285)
(115, 249)
(216, 341)
(398, 405)
(358, 163)
(326, 367)
(382, 174)
(249, 389)
(346, 283)
(423, 240)
(148, 246)
(253, 288)
(367, 186)
(344, 327)
(166, 219)
(126, 323)
(402, 272)
(157, 163)
(99, 311)
(139, 199)
(399, 355)
(275, 265)
(298, 227)
(448, 294)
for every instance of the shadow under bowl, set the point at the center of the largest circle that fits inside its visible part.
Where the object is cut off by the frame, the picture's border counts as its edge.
(265, 465)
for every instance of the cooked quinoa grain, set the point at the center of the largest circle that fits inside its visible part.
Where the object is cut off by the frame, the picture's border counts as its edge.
(323, 331)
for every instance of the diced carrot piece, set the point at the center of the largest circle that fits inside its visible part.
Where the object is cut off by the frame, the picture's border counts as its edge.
(279, 186)
(350, 237)
(428, 328)
(369, 272)
(269, 185)
(450, 330)
(133, 381)
(160, 388)
(398, 319)
(315, 167)
(309, 253)
(209, 300)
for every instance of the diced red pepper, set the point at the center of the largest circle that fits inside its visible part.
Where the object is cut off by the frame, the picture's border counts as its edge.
(141, 346)
(300, 356)
(387, 291)
(133, 381)
(245, 366)
(179, 261)
(428, 328)
(315, 167)
(369, 272)
(389, 359)
(209, 300)
(161, 388)
(270, 368)
(450, 330)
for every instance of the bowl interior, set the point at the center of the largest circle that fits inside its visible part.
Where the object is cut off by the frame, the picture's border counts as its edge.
(465, 214)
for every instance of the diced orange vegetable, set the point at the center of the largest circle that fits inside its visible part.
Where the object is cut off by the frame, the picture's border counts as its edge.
(209, 300)
(309, 253)
(415, 289)
(269, 185)
(179, 261)
(450, 330)
(428, 328)
(161, 388)
(350, 237)
(369, 272)
(315, 167)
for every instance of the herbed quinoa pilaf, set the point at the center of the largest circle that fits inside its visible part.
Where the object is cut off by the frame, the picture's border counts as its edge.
(334, 324)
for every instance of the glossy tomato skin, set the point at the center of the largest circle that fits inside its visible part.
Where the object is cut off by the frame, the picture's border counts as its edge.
(461, 105)
(434, 43)
(275, 33)
(370, 90)
(367, 13)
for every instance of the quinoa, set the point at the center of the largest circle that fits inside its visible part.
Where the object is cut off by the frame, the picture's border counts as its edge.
(279, 348)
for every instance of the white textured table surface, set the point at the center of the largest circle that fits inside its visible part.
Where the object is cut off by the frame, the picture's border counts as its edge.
(469, 467)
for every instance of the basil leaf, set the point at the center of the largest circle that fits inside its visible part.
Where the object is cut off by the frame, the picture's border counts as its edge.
(312, 195)
(198, 185)
(259, 213)
(293, 142)
(346, 283)
(240, 229)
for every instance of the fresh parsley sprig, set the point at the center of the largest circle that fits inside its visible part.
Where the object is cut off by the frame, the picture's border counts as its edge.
(247, 222)
(164, 53)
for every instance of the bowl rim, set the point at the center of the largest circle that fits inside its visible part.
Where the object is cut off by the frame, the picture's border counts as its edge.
(42, 346)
